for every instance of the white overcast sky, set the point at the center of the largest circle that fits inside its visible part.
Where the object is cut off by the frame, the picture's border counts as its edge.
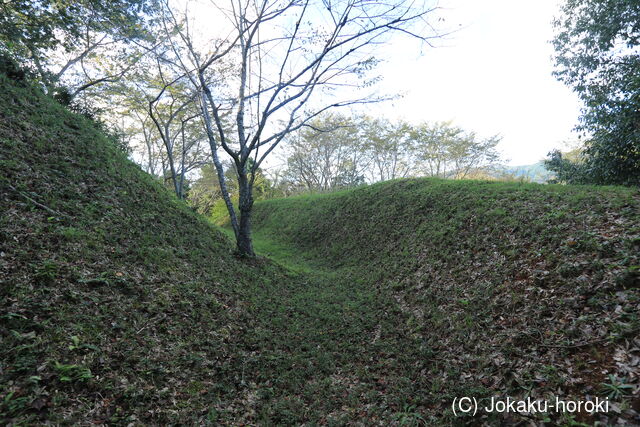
(493, 76)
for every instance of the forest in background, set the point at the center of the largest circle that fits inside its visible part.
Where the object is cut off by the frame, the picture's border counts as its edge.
(127, 64)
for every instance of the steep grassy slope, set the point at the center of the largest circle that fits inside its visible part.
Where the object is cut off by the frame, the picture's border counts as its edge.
(117, 303)
(505, 289)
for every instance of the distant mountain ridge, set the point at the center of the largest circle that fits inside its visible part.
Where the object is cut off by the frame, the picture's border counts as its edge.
(535, 172)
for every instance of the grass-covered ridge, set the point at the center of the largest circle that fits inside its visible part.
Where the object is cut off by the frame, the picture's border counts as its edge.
(118, 304)
(513, 289)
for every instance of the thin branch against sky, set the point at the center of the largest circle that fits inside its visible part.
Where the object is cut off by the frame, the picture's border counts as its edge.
(490, 73)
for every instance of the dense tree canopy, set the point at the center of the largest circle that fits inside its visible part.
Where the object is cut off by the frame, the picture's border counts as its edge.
(597, 46)
(84, 42)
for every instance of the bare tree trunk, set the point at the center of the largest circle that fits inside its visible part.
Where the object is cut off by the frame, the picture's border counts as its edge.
(181, 181)
(163, 131)
(172, 173)
(182, 165)
(216, 160)
(174, 177)
(244, 241)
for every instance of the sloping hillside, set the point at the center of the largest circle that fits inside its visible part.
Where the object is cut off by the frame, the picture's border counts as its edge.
(511, 289)
(117, 303)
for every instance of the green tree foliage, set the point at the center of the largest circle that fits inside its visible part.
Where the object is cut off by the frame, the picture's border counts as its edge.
(327, 155)
(389, 147)
(597, 46)
(565, 169)
(338, 152)
(83, 43)
(205, 196)
(447, 151)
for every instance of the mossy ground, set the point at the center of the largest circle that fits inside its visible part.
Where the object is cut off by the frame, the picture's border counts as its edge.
(120, 305)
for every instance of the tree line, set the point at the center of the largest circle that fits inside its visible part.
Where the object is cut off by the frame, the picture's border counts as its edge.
(339, 151)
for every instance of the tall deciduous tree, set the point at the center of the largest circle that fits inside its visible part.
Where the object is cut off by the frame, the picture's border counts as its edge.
(390, 148)
(173, 115)
(294, 60)
(597, 48)
(159, 112)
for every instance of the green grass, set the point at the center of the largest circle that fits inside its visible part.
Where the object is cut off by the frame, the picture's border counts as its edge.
(491, 283)
(106, 276)
(375, 306)
(287, 256)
